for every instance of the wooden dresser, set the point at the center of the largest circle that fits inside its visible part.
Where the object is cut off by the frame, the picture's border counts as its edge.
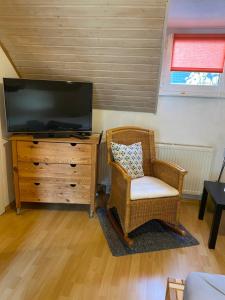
(61, 170)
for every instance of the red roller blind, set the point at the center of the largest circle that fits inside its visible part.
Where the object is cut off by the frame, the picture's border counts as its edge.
(198, 53)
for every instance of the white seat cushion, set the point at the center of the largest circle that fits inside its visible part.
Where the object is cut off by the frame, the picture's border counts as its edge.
(151, 187)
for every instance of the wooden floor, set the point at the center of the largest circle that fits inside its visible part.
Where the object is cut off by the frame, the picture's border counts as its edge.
(61, 254)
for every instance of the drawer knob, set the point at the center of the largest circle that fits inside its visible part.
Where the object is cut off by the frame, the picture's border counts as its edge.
(37, 183)
(73, 144)
(36, 163)
(35, 142)
(73, 165)
(73, 184)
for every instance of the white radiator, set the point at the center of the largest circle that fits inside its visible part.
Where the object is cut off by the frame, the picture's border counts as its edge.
(197, 160)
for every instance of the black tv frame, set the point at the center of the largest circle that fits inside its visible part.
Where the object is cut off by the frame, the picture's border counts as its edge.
(50, 133)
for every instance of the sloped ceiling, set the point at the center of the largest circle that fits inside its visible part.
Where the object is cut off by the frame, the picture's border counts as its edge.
(196, 14)
(116, 44)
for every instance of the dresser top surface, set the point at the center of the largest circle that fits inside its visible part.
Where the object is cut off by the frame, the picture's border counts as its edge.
(93, 139)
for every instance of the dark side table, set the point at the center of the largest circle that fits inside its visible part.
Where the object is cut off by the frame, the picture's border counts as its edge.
(217, 192)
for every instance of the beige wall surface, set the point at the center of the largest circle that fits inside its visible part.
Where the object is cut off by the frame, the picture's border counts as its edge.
(6, 68)
(6, 187)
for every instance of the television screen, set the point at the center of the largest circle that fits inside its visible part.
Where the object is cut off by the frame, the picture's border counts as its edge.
(42, 105)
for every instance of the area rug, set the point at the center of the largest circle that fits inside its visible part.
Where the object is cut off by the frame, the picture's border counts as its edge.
(151, 236)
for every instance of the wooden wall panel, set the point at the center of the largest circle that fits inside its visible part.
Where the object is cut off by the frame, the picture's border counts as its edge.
(116, 44)
(84, 2)
(103, 80)
(84, 32)
(84, 11)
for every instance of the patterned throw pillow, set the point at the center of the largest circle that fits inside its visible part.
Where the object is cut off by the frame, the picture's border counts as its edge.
(130, 157)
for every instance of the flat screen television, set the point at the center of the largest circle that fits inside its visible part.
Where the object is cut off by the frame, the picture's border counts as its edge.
(47, 106)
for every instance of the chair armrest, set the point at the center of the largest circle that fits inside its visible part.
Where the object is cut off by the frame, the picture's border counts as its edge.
(170, 173)
(120, 190)
(118, 168)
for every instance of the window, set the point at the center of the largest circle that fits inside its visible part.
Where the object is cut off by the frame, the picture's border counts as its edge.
(194, 78)
(194, 65)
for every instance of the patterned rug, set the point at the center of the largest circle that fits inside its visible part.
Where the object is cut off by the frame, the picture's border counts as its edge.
(151, 236)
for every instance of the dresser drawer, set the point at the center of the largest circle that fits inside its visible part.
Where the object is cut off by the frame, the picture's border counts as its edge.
(66, 172)
(69, 153)
(53, 191)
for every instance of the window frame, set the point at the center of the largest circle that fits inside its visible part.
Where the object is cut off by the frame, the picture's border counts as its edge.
(168, 89)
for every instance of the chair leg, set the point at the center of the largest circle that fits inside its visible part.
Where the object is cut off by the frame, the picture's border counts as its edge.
(173, 227)
(117, 227)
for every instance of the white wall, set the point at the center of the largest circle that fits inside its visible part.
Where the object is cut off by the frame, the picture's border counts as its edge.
(6, 187)
(182, 120)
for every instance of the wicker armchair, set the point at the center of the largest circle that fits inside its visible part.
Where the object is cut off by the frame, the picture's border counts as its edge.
(134, 213)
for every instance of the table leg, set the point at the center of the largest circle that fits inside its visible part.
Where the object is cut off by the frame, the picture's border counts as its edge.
(215, 227)
(203, 204)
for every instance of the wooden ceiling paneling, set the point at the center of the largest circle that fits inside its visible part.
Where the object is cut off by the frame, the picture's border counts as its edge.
(116, 44)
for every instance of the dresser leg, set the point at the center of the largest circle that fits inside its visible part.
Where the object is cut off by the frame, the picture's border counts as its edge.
(18, 211)
(91, 213)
